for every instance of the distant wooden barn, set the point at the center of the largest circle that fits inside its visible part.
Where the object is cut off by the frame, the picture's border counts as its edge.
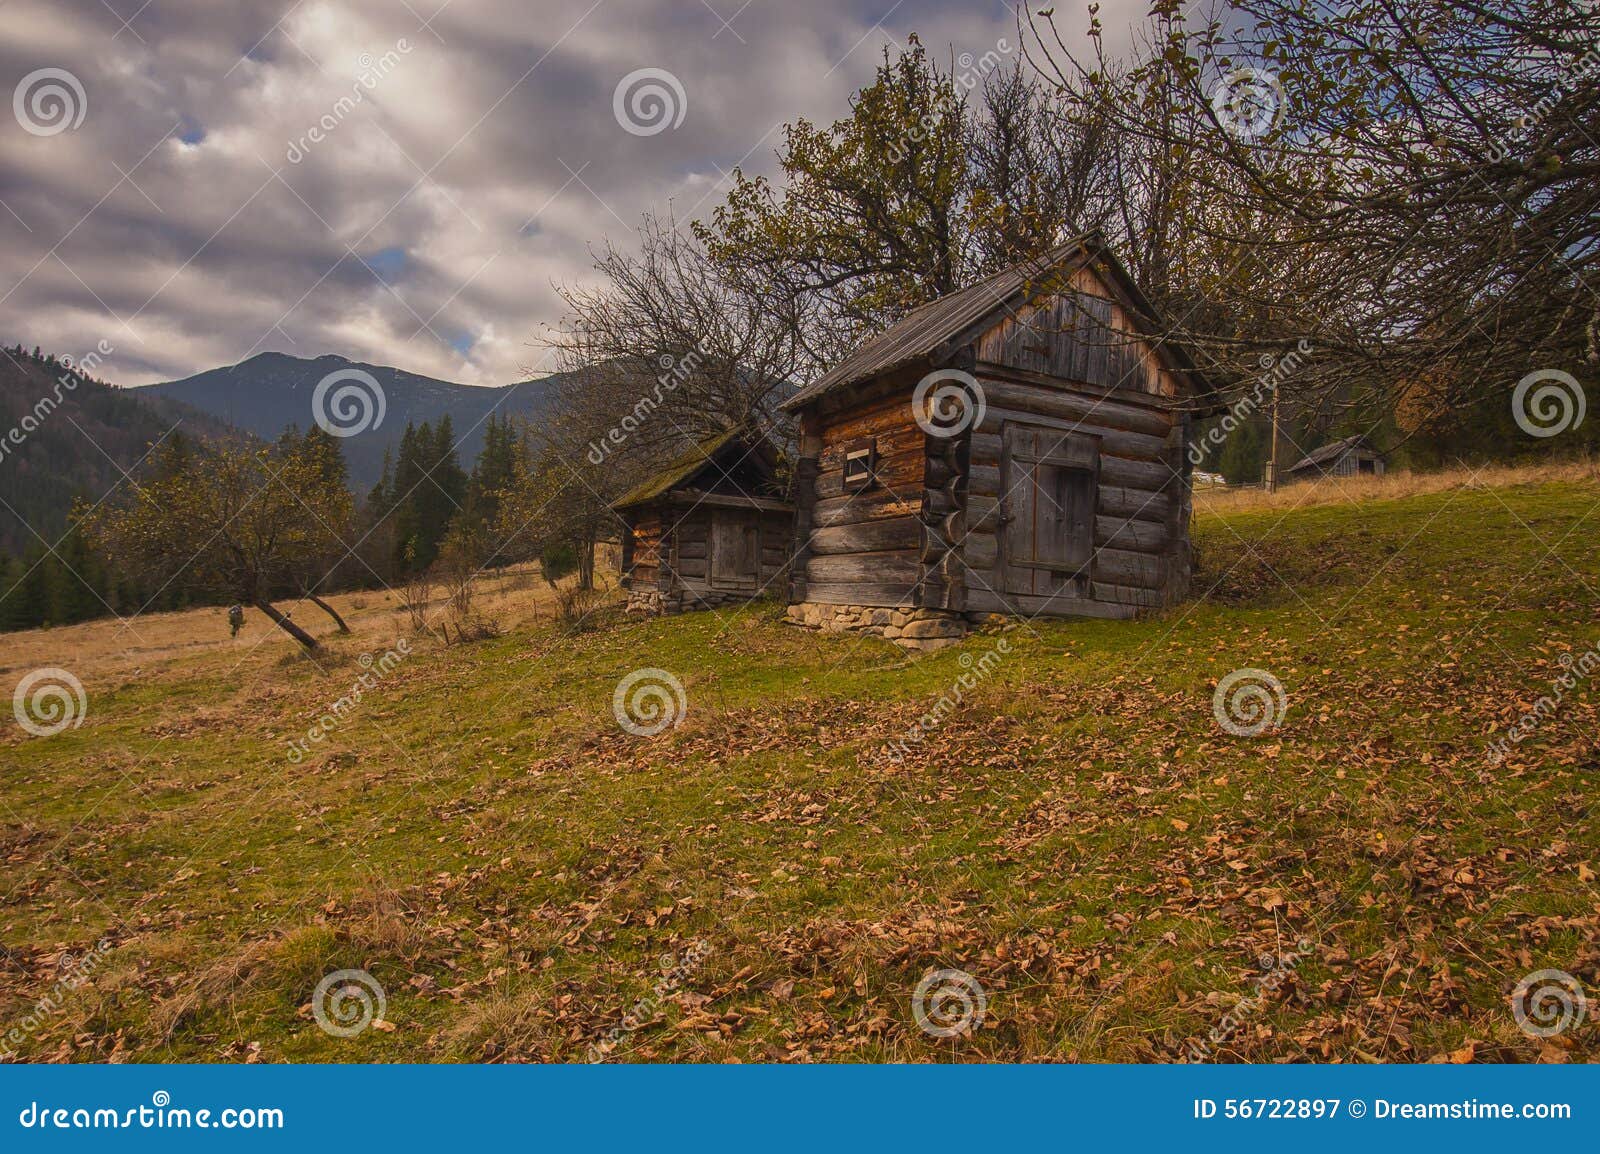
(709, 529)
(1351, 457)
(1015, 447)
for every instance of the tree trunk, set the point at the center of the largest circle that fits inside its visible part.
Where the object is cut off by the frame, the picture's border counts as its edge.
(586, 562)
(329, 610)
(286, 625)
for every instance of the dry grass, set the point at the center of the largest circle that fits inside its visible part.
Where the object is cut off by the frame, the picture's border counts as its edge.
(197, 639)
(1389, 487)
(518, 874)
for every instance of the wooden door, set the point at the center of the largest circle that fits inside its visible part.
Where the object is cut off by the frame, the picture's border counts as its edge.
(1049, 484)
(735, 549)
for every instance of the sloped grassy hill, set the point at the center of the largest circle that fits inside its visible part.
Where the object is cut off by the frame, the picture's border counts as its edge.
(1078, 834)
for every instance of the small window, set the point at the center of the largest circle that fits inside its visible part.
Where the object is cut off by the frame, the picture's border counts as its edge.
(860, 463)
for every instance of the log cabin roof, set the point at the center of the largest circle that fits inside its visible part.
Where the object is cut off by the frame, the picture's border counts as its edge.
(922, 331)
(731, 447)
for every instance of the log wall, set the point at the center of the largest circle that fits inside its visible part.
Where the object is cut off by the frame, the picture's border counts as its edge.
(1140, 512)
(863, 547)
(671, 556)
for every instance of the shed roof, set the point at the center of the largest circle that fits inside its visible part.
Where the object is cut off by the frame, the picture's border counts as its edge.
(921, 331)
(692, 462)
(1331, 451)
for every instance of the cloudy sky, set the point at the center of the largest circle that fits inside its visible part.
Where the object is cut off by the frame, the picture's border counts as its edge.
(397, 181)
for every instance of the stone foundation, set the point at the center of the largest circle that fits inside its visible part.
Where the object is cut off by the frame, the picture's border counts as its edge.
(647, 602)
(915, 629)
(654, 603)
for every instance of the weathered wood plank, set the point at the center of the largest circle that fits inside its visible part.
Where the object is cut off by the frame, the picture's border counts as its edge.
(979, 552)
(1118, 441)
(1138, 536)
(986, 447)
(1128, 595)
(880, 593)
(1139, 504)
(983, 513)
(899, 533)
(862, 567)
(1155, 476)
(1052, 398)
(1121, 567)
(902, 437)
(900, 473)
(872, 505)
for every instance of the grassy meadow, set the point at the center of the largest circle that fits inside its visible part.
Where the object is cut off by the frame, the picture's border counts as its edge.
(770, 879)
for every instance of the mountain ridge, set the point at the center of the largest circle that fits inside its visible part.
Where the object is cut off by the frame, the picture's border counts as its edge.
(271, 392)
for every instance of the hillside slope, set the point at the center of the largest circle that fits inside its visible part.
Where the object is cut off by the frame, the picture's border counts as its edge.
(771, 879)
(271, 391)
(81, 440)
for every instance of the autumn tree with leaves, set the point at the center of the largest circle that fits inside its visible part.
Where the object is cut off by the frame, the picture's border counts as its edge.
(237, 520)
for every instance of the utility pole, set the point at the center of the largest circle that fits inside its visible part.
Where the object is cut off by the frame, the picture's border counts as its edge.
(1272, 457)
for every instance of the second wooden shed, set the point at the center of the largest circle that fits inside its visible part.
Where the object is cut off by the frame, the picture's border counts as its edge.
(709, 529)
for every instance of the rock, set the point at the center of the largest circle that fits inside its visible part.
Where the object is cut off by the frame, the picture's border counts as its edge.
(936, 627)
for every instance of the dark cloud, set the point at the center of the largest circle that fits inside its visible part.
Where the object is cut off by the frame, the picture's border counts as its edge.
(362, 177)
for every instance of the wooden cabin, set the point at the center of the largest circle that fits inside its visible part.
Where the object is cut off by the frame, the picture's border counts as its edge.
(1350, 457)
(709, 529)
(1016, 447)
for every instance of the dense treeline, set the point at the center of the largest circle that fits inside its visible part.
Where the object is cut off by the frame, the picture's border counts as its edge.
(74, 583)
(64, 435)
